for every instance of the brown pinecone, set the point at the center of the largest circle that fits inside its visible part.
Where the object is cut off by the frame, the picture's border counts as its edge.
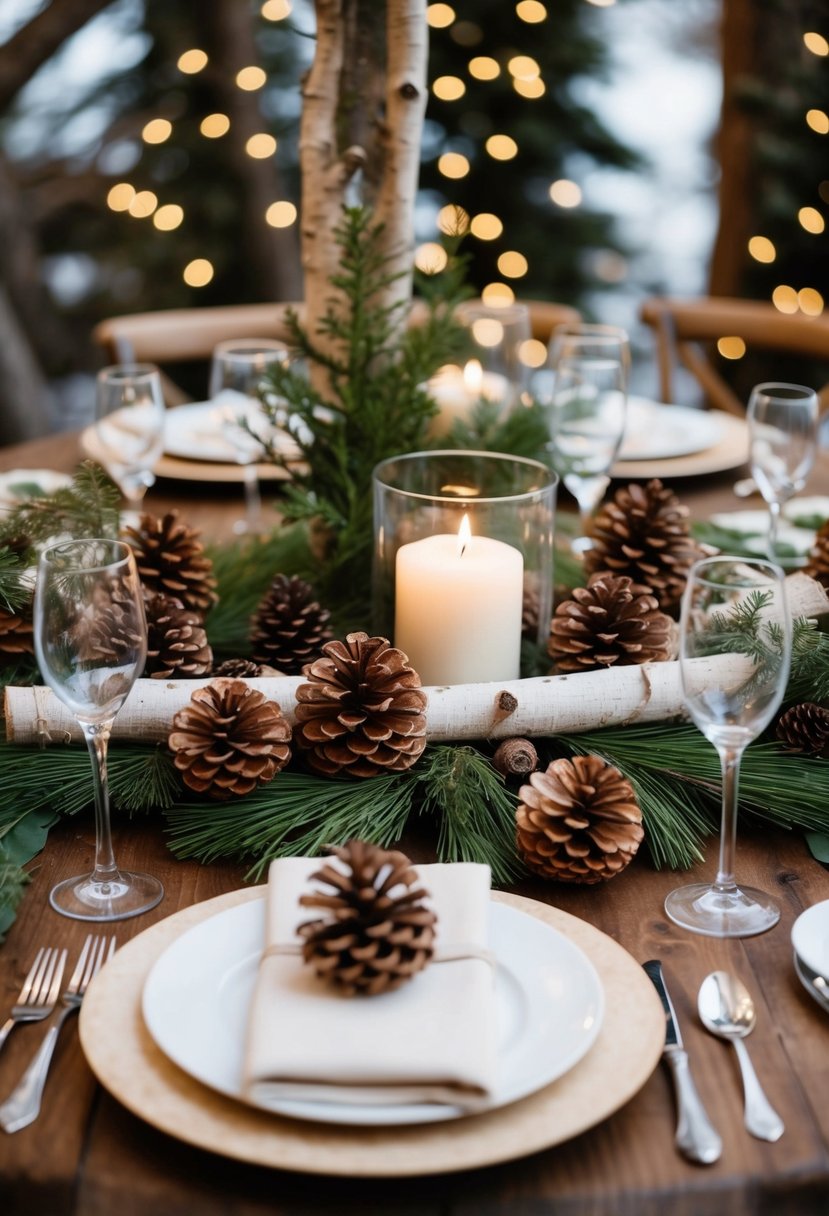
(289, 628)
(362, 711)
(113, 633)
(238, 669)
(643, 533)
(229, 740)
(376, 933)
(579, 821)
(176, 640)
(515, 758)
(171, 561)
(16, 634)
(817, 566)
(804, 728)
(611, 622)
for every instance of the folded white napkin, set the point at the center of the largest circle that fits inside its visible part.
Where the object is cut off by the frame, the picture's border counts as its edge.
(432, 1040)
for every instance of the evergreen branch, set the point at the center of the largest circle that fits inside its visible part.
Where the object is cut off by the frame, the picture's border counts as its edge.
(15, 588)
(87, 507)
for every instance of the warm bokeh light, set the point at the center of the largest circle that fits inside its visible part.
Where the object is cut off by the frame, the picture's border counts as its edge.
(818, 120)
(486, 226)
(453, 164)
(250, 79)
(816, 43)
(731, 348)
(157, 130)
(440, 15)
(168, 217)
(512, 264)
(260, 146)
(810, 301)
(523, 67)
(431, 258)
(487, 331)
(530, 11)
(762, 249)
(532, 353)
(483, 67)
(448, 88)
(602, 3)
(610, 266)
(784, 299)
(501, 147)
(530, 88)
(191, 62)
(811, 219)
(453, 220)
(143, 204)
(281, 214)
(120, 197)
(198, 273)
(498, 295)
(215, 125)
(276, 10)
(565, 193)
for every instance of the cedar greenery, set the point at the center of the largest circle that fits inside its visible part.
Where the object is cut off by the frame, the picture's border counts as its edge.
(87, 507)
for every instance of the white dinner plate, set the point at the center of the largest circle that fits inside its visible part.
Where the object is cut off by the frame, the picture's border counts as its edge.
(199, 430)
(810, 937)
(656, 431)
(549, 1003)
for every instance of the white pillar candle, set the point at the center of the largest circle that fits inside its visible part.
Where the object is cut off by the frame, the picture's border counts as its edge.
(458, 608)
(456, 391)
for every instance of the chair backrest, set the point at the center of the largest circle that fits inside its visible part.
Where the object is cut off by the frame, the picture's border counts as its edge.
(687, 330)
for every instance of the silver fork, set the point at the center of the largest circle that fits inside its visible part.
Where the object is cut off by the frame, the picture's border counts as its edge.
(22, 1106)
(39, 993)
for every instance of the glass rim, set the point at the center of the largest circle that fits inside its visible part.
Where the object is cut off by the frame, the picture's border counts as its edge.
(761, 563)
(595, 331)
(128, 371)
(514, 310)
(126, 553)
(770, 388)
(551, 477)
(230, 347)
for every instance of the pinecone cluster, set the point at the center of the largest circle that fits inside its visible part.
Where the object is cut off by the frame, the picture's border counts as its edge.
(177, 643)
(804, 728)
(643, 533)
(578, 821)
(229, 740)
(289, 628)
(362, 710)
(612, 622)
(375, 931)
(171, 561)
(817, 566)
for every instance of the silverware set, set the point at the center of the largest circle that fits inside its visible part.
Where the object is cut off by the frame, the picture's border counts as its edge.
(38, 999)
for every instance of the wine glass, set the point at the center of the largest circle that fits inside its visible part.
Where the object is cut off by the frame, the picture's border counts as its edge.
(782, 427)
(732, 690)
(498, 337)
(90, 639)
(237, 370)
(586, 411)
(129, 425)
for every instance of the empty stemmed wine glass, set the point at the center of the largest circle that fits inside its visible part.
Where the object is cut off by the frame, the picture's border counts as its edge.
(586, 412)
(129, 425)
(732, 690)
(237, 370)
(782, 427)
(90, 639)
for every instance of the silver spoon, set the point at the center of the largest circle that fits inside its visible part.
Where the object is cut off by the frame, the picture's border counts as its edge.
(727, 1010)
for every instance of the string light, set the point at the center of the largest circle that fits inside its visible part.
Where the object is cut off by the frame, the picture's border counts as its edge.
(486, 226)
(498, 295)
(439, 16)
(816, 43)
(143, 204)
(512, 264)
(811, 219)
(168, 217)
(281, 214)
(530, 88)
(483, 67)
(449, 88)
(250, 79)
(531, 11)
(524, 67)
(818, 120)
(810, 301)
(120, 196)
(198, 273)
(784, 299)
(453, 220)
(214, 126)
(431, 258)
(157, 130)
(565, 193)
(453, 164)
(731, 348)
(501, 147)
(532, 353)
(762, 249)
(191, 62)
(487, 331)
(260, 146)
(276, 10)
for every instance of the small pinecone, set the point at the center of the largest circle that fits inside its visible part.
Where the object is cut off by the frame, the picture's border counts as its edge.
(643, 533)
(515, 758)
(289, 628)
(817, 566)
(16, 634)
(579, 821)
(176, 640)
(804, 728)
(375, 933)
(238, 669)
(171, 561)
(229, 740)
(362, 711)
(611, 622)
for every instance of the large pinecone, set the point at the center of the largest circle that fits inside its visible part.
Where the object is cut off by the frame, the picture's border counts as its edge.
(229, 740)
(643, 533)
(177, 643)
(112, 633)
(289, 628)
(804, 728)
(817, 566)
(362, 711)
(579, 821)
(171, 561)
(375, 933)
(611, 622)
(16, 634)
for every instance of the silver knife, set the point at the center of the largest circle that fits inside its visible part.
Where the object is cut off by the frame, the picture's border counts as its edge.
(696, 1137)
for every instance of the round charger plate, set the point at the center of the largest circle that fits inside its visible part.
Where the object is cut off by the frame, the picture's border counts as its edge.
(730, 451)
(128, 1063)
(176, 468)
(810, 937)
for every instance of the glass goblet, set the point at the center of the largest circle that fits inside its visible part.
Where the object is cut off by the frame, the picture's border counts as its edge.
(129, 425)
(782, 427)
(732, 691)
(90, 639)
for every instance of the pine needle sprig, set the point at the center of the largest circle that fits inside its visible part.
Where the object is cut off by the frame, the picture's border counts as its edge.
(809, 680)
(87, 507)
(15, 587)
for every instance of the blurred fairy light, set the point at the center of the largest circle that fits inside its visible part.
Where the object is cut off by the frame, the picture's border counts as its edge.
(143, 204)
(260, 146)
(487, 331)
(276, 10)
(565, 193)
(439, 16)
(448, 88)
(198, 273)
(453, 220)
(601, 3)
(484, 67)
(214, 126)
(531, 11)
(513, 265)
(501, 147)
(762, 249)
(816, 43)
(486, 226)
(784, 299)
(251, 78)
(281, 214)
(498, 295)
(524, 67)
(811, 219)
(157, 131)
(120, 196)
(168, 217)
(191, 62)
(532, 353)
(453, 164)
(530, 88)
(731, 348)
(431, 258)
(818, 120)
(810, 301)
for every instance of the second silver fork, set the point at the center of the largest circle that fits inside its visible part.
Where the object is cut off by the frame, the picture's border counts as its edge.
(22, 1106)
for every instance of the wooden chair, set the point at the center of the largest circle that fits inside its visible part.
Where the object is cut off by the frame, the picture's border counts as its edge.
(687, 331)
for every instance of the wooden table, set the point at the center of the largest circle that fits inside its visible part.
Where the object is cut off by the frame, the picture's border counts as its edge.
(87, 1156)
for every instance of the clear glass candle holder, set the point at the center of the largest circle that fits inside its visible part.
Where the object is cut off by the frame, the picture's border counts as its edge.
(463, 561)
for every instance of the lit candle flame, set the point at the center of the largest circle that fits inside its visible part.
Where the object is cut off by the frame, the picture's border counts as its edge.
(464, 535)
(473, 377)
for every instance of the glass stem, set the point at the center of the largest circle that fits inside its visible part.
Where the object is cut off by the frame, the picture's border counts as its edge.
(730, 760)
(97, 740)
(774, 523)
(253, 500)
